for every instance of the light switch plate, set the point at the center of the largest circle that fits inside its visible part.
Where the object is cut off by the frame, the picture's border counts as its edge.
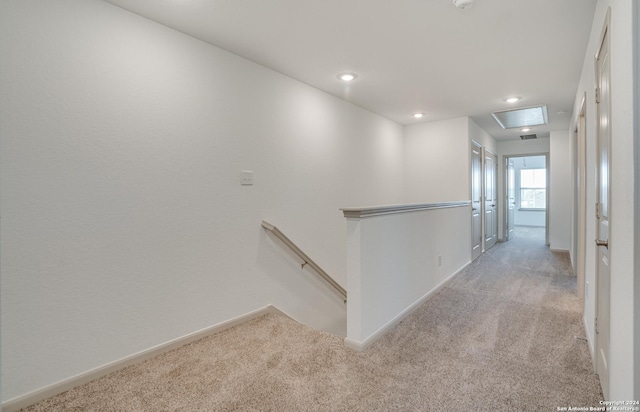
(247, 178)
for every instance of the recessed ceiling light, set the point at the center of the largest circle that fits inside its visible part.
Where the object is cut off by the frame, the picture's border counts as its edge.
(512, 99)
(347, 77)
(418, 115)
(525, 129)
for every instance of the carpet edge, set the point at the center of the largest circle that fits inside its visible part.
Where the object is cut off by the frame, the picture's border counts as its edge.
(64, 385)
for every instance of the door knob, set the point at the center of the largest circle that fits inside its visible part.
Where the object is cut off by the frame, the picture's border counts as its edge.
(604, 243)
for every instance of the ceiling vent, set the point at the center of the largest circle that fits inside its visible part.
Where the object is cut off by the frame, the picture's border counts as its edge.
(518, 118)
(528, 136)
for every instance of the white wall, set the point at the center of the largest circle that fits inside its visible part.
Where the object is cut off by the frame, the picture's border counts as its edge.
(481, 137)
(560, 191)
(437, 165)
(393, 262)
(509, 148)
(621, 238)
(124, 224)
(533, 218)
(123, 221)
(540, 145)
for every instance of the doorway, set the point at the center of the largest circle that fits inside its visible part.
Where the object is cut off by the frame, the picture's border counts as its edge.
(527, 197)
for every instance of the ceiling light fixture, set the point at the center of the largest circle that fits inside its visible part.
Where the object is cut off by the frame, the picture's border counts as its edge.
(347, 77)
(512, 99)
(418, 115)
(462, 4)
(524, 117)
(525, 129)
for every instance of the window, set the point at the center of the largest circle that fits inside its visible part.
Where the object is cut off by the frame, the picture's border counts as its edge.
(533, 189)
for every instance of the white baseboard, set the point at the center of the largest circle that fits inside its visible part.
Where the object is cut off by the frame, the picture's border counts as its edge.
(361, 346)
(590, 343)
(57, 388)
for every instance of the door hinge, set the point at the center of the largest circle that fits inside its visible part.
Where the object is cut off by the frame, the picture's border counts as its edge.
(597, 95)
(597, 210)
(597, 330)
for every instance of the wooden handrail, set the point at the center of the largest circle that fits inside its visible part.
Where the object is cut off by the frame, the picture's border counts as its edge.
(307, 260)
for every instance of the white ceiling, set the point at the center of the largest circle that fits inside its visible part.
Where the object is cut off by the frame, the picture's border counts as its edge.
(410, 55)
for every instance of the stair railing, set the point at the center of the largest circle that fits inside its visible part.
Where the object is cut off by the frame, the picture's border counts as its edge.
(307, 260)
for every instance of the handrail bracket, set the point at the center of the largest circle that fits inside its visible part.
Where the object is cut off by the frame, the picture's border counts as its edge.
(306, 259)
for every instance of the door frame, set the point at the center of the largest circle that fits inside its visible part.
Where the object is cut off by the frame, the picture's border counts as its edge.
(505, 206)
(580, 199)
(506, 226)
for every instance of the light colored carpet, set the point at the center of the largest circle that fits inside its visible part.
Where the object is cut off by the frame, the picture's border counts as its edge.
(499, 337)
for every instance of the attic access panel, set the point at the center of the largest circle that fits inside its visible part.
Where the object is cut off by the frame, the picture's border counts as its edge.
(517, 118)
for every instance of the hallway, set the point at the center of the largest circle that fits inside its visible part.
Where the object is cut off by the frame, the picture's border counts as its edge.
(498, 337)
(137, 165)
(529, 235)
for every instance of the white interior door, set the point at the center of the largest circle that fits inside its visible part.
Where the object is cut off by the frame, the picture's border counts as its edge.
(603, 207)
(476, 200)
(511, 198)
(581, 201)
(490, 199)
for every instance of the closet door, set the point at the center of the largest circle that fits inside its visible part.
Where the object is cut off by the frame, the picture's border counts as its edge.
(490, 199)
(476, 200)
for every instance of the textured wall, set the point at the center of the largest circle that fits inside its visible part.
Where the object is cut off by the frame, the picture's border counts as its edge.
(478, 135)
(437, 162)
(124, 224)
(560, 191)
(397, 259)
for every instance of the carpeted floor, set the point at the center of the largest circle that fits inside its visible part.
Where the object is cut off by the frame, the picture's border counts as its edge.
(499, 337)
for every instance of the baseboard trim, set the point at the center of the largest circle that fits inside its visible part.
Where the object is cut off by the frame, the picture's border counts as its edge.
(365, 344)
(590, 344)
(30, 398)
